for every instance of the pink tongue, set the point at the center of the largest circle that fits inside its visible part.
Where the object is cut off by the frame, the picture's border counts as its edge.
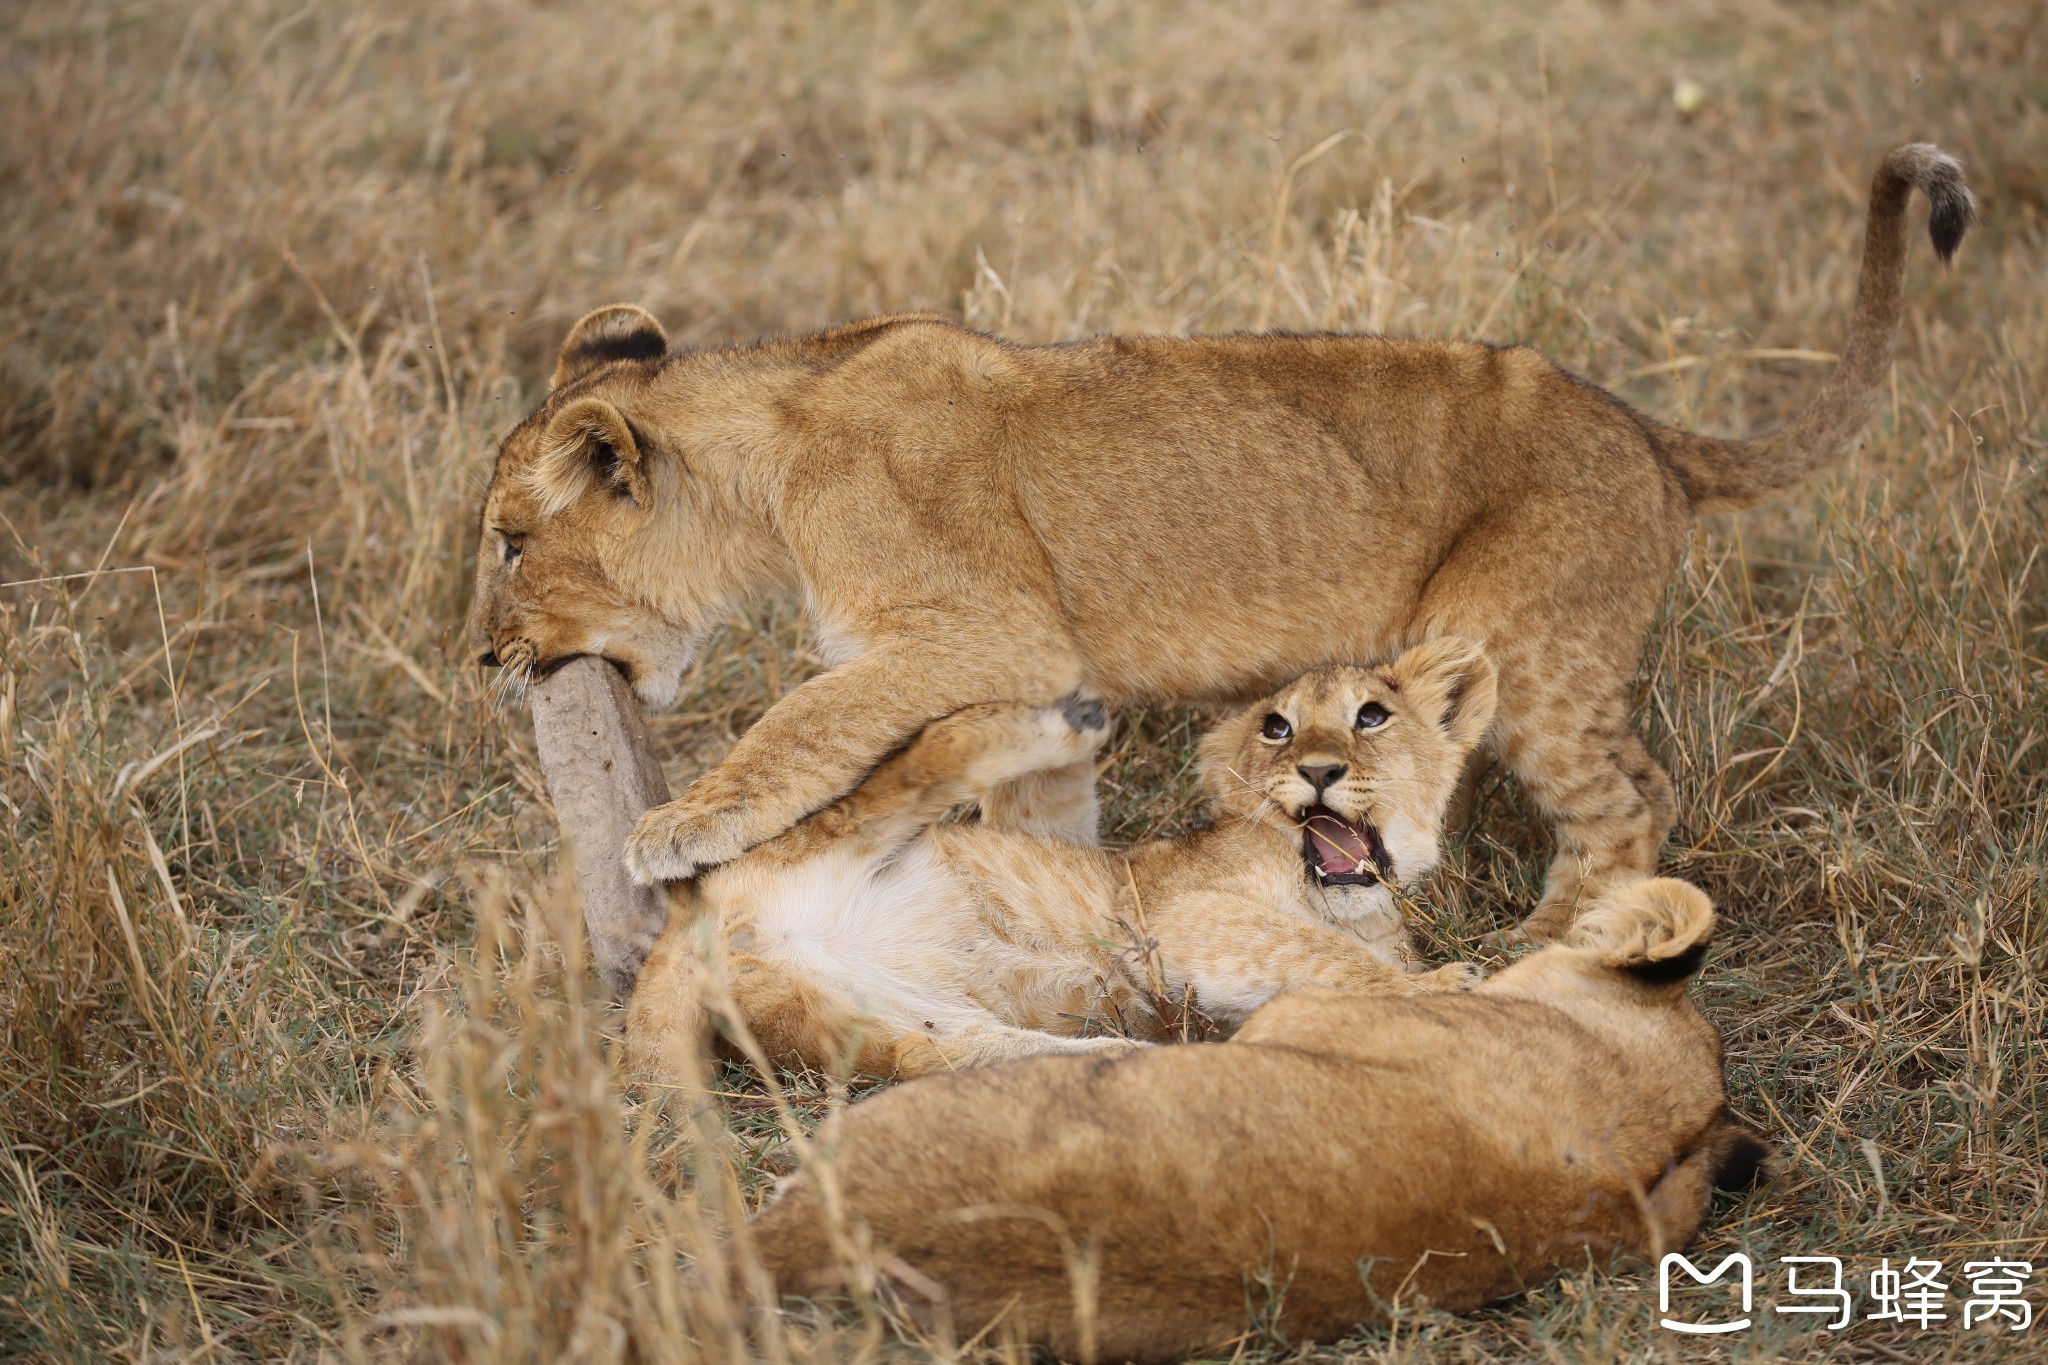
(1340, 849)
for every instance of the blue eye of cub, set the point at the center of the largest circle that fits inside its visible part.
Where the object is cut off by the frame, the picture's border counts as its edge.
(1276, 727)
(514, 546)
(1371, 716)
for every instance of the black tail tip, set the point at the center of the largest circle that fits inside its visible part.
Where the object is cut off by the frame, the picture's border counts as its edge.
(1952, 212)
(1939, 176)
(1662, 971)
(1950, 207)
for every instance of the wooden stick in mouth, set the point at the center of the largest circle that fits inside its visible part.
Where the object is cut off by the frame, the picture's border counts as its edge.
(602, 775)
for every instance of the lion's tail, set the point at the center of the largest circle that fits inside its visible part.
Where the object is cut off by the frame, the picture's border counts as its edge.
(1655, 930)
(1722, 474)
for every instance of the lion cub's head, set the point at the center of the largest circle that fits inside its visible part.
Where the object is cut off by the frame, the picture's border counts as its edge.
(598, 537)
(1358, 763)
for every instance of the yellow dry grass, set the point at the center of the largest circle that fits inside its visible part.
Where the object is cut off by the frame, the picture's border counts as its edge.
(294, 1063)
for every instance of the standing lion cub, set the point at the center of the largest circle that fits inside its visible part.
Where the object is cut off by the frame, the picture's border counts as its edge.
(872, 936)
(1346, 1153)
(1166, 518)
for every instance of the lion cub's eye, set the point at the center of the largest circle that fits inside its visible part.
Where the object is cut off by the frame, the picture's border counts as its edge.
(515, 545)
(1372, 716)
(1276, 727)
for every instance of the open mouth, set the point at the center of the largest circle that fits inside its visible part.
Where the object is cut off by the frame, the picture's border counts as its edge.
(1342, 852)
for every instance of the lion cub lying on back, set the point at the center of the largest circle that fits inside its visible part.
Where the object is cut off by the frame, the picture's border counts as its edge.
(871, 936)
(1343, 1154)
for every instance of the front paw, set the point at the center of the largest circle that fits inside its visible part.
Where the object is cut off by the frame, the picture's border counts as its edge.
(675, 842)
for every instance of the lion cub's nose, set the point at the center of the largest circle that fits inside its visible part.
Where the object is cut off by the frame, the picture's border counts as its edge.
(1321, 775)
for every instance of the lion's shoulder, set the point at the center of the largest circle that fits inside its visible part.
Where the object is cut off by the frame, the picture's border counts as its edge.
(835, 345)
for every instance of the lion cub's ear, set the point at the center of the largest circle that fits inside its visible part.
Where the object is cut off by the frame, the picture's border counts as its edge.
(1453, 682)
(588, 444)
(617, 331)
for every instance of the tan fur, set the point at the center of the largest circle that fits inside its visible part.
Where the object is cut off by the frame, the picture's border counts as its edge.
(1345, 1153)
(1176, 519)
(871, 938)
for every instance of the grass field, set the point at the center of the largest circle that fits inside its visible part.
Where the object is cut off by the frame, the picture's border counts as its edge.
(298, 1058)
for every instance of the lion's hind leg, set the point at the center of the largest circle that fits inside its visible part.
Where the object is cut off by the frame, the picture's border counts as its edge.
(1730, 1159)
(1566, 641)
(667, 1024)
(981, 1044)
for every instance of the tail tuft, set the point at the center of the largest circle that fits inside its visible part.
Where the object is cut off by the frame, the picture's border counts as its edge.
(1723, 475)
(1656, 930)
(1939, 176)
(1662, 971)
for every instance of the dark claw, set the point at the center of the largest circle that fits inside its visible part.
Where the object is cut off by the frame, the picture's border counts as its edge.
(1084, 712)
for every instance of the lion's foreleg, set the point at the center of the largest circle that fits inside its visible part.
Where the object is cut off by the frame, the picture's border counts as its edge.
(957, 758)
(1235, 955)
(817, 743)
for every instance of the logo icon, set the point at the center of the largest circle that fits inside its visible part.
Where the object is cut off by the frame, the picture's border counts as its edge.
(1699, 1277)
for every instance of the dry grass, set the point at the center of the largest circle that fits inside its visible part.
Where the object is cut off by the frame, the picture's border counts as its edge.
(294, 1064)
